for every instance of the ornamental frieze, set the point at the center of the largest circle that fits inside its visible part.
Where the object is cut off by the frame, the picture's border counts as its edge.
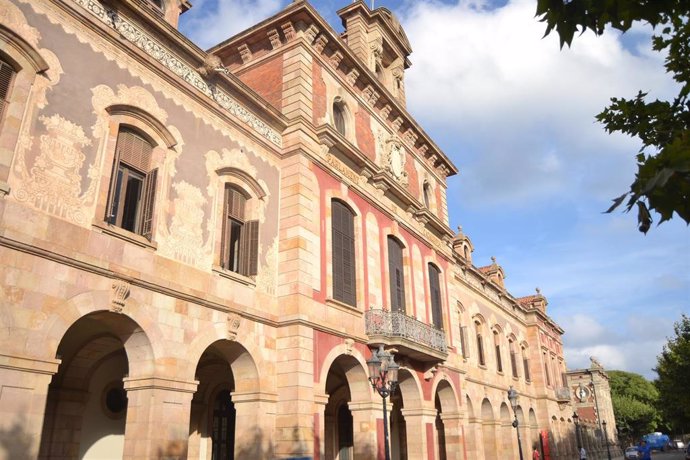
(138, 37)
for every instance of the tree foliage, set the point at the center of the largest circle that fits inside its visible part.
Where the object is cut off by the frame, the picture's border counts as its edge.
(662, 181)
(673, 384)
(634, 403)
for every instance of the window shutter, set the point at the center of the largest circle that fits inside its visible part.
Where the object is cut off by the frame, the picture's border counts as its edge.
(6, 77)
(397, 277)
(480, 349)
(499, 361)
(149, 200)
(134, 150)
(463, 342)
(435, 291)
(513, 363)
(225, 238)
(343, 256)
(525, 364)
(111, 208)
(252, 231)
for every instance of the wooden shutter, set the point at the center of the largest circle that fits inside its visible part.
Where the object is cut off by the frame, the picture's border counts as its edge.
(225, 237)
(252, 231)
(463, 342)
(343, 254)
(480, 349)
(111, 208)
(134, 150)
(513, 363)
(525, 364)
(6, 77)
(435, 291)
(397, 276)
(149, 200)
(499, 361)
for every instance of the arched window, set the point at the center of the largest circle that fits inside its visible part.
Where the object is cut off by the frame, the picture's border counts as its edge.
(435, 294)
(240, 242)
(343, 258)
(547, 371)
(463, 333)
(480, 344)
(133, 184)
(525, 364)
(397, 276)
(513, 357)
(339, 117)
(427, 195)
(497, 347)
(6, 78)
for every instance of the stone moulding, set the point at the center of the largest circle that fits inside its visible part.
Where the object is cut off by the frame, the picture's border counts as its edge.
(139, 38)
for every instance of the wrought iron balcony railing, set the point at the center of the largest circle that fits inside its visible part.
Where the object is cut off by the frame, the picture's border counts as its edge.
(408, 331)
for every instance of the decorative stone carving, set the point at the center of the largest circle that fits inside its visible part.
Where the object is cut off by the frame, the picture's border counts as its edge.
(212, 65)
(386, 111)
(370, 95)
(311, 33)
(183, 239)
(288, 31)
(352, 77)
(118, 296)
(320, 43)
(245, 53)
(429, 375)
(349, 344)
(54, 183)
(336, 58)
(274, 38)
(410, 137)
(267, 277)
(376, 49)
(234, 322)
(423, 149)
(397, 123)
(141, 39)
(395, 159)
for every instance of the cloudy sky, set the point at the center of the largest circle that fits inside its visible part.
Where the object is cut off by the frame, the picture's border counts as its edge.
(516, 115)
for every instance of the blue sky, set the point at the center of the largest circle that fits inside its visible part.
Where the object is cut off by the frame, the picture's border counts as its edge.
(516, 116)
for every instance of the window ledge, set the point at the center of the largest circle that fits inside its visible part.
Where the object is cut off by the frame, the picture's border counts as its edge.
(482, 366)
(342, 306)
(125, 235)
(246, 280)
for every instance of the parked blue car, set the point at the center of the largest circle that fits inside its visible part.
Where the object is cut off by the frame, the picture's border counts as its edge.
(658, 441)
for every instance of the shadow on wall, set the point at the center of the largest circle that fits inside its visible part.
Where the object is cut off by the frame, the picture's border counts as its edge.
(175, 450)
(16, 442)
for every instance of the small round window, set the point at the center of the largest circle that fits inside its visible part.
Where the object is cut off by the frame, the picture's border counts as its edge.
(115, 400)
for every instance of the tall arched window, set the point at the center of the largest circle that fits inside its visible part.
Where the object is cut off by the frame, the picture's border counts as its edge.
(343, 258)
(133, 184)
(513, 357)
(397, 276)
(339, 117)
(525, 364)
(6, 78)
(435, 294)
(497, 347)
(240, 242)
(480, 344)
(427, 195)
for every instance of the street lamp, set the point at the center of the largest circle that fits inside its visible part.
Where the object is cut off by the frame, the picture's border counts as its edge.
(383, 376)
(576, 419)
(513, 398)
(606, 437)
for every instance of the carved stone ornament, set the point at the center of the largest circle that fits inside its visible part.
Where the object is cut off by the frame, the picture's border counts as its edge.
(352, 77)
(212, 65)
(311, 33)
(349, 343)
(320, 43)
(370, 95)
(274, 38)
(397, 123)
(395, 159)
(234, 323)
(288, 31)
(336, 58)
(245, 53)
(119, 296)
(385, 111)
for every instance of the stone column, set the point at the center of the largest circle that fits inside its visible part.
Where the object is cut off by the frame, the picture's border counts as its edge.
(158, 414)
(364, 422)
(416, 421)
(454, 441)
(254, 423)
(320, 402)
(23, 393)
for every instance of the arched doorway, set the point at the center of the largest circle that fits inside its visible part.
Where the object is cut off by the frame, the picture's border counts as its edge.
(223, 425)
(473, 430)
(398, 428)
(86, 408)
(507, 432)
(489, 431)
(339, 429)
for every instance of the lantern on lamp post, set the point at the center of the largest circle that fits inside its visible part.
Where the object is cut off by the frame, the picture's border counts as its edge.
(513, 398)
(383, 376)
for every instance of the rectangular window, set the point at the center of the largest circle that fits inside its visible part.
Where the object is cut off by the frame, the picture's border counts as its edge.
(240, 240)
(513, 363)
(480, 350)
(435, 291)
(343, 256)
(546, 371)
(499, 362)
(133, 185)
(463, 342)
(564, 379)
(525, 364)
(6, 77)
(397, 277)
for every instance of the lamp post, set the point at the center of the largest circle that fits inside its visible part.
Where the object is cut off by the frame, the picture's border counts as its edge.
(606, 438)
(576, 419)
(383, 376)
(513, 398)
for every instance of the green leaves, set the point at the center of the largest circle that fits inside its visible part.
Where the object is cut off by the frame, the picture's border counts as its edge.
(634, 402)
(662, 182)
(673, 384)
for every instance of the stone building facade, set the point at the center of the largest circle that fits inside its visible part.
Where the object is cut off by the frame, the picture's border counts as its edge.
(200, 250)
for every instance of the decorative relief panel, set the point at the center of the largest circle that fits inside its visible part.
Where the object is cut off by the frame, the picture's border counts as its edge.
(267, 277)
(53, 183)
(138, 37)
(183, 239)
(394, 160)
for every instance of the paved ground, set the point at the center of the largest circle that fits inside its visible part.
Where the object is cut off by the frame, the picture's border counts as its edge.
(671, 455)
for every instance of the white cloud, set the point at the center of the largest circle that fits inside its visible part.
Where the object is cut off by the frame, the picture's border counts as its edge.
(488, 75)
(212, 21)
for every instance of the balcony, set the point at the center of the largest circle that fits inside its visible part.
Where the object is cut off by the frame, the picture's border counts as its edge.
(410, 336)
(563, 394)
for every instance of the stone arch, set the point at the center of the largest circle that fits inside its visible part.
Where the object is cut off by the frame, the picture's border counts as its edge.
(448, 394)
(473, 431)
(489, 431)
(356, 375)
